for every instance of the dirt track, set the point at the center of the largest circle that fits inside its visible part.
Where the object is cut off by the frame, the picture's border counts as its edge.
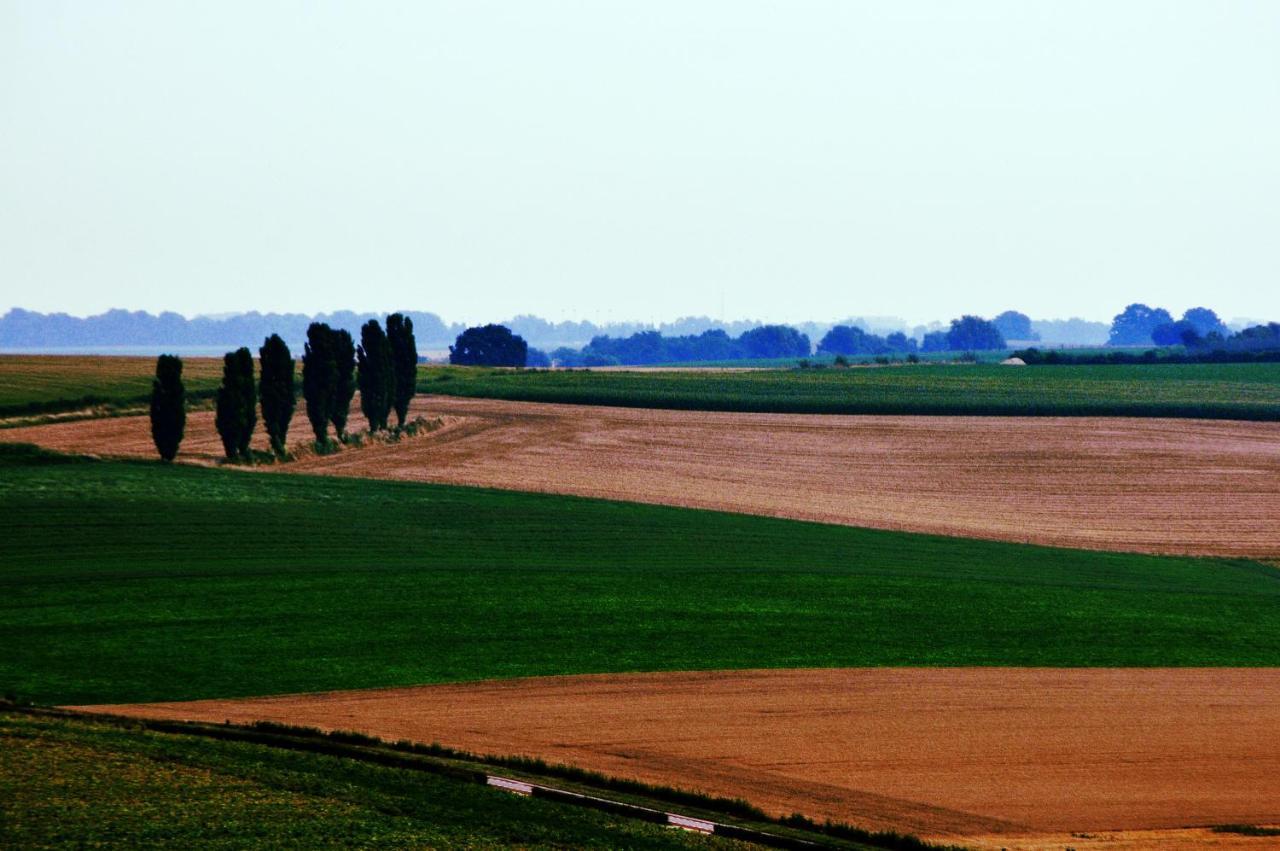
(1157, 485)
(994, 753)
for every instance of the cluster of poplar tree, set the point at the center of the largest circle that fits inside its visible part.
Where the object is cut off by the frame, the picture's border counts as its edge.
(387, 362)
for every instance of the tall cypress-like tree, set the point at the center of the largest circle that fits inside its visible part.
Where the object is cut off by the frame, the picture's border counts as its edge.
(276, 390)
(236, 411)
(168, 406)
(344, 385)
(376, 376)
(319, 378)
(404, 358)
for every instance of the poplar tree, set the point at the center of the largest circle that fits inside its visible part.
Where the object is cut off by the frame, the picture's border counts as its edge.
(344, 385)
(168, 406)
(277, 391)
(319, 378)
(236, 409)
(376, 377)
(404, 358)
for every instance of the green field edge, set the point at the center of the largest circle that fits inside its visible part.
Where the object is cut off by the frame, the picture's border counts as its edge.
(1196, 392)
(794, 831)
(907, 409)
(634, 588)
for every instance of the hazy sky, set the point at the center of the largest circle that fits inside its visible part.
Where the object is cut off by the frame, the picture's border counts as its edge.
(641, 160)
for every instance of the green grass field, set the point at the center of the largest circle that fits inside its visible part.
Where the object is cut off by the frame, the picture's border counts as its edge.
(1221, 391)
(137, 581)
(33, 384)
(949, 356)
(84, 784)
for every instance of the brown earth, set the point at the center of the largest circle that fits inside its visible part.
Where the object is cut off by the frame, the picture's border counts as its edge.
(1154, 485)
(1011, 757)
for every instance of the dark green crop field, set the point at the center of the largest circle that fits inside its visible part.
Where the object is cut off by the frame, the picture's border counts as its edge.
(137, 581)
(33, 384)
(1218, 391)
(69, 783)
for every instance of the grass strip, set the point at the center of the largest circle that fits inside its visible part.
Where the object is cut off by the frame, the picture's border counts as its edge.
(752, 823)
(1204, 391)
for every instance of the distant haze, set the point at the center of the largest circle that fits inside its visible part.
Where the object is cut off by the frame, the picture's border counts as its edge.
(641, 161)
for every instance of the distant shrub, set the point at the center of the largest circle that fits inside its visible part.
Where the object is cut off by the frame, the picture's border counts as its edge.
(594, 359)
(880, 838)
(1246, 829)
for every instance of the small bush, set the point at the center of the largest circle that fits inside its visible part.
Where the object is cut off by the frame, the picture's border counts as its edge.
(1246, 829)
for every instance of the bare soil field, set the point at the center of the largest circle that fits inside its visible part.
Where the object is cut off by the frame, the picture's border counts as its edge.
(1007, 757)
(1152, 485)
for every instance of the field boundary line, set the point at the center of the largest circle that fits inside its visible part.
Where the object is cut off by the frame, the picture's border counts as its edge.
(648, 814)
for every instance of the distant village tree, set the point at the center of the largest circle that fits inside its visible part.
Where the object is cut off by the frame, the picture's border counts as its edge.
(1015, 326)
(1134, 325)
(404, 358)
(344, 388)
(376, 376)
(1205, 322)
(973, 334)
(491, 345)
(934, 341)
(850, 340)
(236, 409)
(319, 378)
(774, 341)
(277, 391)
(168, 406)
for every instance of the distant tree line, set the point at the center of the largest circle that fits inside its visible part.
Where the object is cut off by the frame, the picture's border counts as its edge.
(852, 340)
(29, 329)
(23, 329)
(384, 366)
(649, 347)
(1141, 325)
(967, 334)
(1260, 343)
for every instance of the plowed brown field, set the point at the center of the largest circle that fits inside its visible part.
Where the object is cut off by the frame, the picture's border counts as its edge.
(1172, 486)
(1004, 756)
